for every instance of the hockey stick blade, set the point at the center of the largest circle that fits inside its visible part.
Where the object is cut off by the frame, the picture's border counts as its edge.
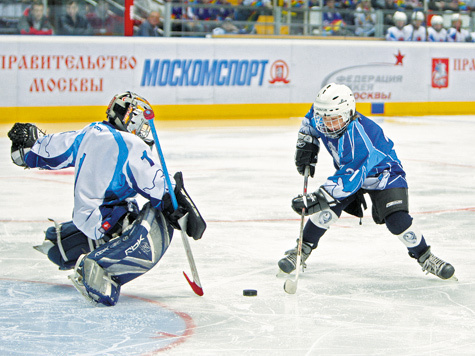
(290, 286)
(196, 288)
(195, 284)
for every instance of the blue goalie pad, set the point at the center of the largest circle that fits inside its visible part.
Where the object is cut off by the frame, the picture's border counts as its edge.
(138, 249)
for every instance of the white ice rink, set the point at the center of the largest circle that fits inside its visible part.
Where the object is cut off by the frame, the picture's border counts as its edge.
(360, 295)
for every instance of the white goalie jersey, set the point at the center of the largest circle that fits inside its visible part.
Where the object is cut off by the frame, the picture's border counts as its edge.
(110, 167)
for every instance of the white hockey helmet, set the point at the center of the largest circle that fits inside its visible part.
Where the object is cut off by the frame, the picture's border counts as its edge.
(437, 20)
(399, 16)
(455, 17)
(126, 113)
(417, 16)
(333, 109)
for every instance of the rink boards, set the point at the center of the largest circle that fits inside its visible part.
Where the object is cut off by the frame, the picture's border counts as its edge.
(70, 79)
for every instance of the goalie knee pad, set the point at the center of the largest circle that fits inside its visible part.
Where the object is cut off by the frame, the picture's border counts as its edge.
(324, 218)
(138, 249)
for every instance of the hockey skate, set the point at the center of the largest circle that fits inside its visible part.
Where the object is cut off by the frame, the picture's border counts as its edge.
(288, 263)
(436, 266)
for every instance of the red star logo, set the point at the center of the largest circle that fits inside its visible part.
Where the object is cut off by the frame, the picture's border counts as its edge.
(399, 58)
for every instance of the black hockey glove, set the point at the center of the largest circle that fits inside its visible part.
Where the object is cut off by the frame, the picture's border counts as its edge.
(196, 224)
(306, 153)
(313, 202)
(23, 137)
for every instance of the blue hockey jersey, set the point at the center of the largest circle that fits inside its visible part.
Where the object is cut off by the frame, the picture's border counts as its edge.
(110, 167)
(363, 157)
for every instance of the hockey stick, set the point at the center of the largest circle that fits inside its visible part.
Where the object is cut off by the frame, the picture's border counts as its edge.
(195, 284)
(290, 286)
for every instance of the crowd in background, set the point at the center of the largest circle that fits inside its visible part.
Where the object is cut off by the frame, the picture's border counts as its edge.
(403, 20)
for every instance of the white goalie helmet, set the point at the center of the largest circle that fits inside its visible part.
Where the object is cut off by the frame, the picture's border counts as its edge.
(399, 16)
(126, 113)
(333, 109)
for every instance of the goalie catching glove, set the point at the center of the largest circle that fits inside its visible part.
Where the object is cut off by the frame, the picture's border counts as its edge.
(306, 153)
(23, 137)
(196, 224)
(313, 202)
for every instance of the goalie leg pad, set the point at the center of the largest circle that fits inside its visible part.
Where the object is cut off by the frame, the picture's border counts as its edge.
(138, 249)
(95, 283)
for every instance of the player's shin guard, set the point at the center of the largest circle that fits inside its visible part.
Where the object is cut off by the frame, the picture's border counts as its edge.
(324, 218)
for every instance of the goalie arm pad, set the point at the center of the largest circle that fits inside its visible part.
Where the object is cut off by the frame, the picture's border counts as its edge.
(196, 224)
(23, 137)
(313, 202)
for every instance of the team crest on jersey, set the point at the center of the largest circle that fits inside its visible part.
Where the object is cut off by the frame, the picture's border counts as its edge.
(440, 73)
(279, 72)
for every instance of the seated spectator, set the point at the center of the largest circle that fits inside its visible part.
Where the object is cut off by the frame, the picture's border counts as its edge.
(263, 7)
(72, 23)
(102, 20)
(151, 26)
(389, 7)
(444, 5)
(332, 20)
(365, 19)
(396, 32)
(34, 21)
(436, 32)
(415, 31)
(227, 27)
(456, 33)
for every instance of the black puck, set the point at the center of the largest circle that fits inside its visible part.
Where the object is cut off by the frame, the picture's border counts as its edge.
(249, 292)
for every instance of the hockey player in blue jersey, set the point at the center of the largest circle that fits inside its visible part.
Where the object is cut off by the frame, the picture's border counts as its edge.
(365, 162)
(109, 242)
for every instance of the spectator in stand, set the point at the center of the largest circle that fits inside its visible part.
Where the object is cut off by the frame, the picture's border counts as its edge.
(389, 7)
(263, 7)
(456, 33)
(102, 20)
(227, 27)
(415, 31)
(332, 20)
(444, 5)
(72, 23)
(436, 32)
(365, 19)
(396, 32)
(151, 26)
(205, 14)
(34, 21)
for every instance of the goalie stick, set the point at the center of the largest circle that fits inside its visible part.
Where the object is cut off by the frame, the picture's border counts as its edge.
(290, 286)
(195, 284)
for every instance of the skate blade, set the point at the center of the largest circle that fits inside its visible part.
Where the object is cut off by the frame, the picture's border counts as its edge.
(81, 289)
(453, 278)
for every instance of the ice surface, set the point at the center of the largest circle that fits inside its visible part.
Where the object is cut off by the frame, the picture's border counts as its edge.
(360, 295)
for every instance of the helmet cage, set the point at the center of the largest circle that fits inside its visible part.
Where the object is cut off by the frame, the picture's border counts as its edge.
(333, 125)
(126, 112)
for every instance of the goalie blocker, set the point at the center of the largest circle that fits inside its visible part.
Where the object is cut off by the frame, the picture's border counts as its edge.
(196, 225)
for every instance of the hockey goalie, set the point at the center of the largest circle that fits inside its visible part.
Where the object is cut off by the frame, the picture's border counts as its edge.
(110, 240)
